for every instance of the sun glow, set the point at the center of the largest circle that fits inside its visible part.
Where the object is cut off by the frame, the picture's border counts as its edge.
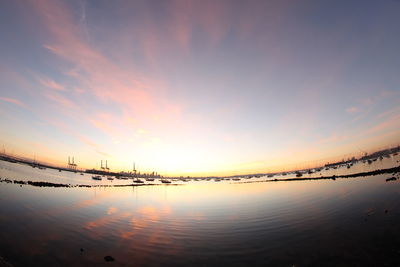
(184, 94)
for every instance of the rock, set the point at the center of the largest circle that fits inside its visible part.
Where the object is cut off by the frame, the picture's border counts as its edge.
(391, 179)
(4, 263)
(108, 258)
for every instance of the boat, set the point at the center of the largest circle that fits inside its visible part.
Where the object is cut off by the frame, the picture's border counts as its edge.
(97, 177)
(149, 179)
(110, 178)
(164, 181)
(138, 181)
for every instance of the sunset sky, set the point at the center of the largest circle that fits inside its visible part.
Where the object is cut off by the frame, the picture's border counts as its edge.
(199, 87)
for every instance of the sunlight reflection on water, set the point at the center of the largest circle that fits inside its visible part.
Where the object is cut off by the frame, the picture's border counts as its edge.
(279, 223)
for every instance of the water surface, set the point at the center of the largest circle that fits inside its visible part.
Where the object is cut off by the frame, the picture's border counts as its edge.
(347, 222)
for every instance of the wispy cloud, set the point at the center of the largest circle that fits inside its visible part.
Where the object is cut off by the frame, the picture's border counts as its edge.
(180, 77)
(67, 129)
(60, 100)
(332, 139)
(13, 101)
(87, 141)
(352, 110)
(49, 83)
(392, 122)
(105, 79)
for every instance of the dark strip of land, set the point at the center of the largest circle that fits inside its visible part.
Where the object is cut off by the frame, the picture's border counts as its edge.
(47, 184)
(334, 177)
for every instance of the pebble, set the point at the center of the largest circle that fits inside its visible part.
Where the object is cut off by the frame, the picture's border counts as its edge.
(108, 258)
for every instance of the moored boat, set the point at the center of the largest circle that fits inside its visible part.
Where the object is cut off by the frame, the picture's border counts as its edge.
(97, 177)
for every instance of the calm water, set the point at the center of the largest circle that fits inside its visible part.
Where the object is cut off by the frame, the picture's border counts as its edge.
(353, 222)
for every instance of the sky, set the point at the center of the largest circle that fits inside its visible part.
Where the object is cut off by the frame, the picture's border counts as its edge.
(199, 87)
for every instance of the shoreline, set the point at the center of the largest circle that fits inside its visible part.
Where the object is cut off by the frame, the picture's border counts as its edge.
(394, 171)
(48, 184)
(371, 157)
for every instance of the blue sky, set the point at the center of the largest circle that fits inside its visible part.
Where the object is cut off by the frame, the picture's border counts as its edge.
(199, 87)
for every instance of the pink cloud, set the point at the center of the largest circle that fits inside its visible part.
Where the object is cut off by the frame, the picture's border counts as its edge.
(104, 126)
(384, 114)
(333, 138)
(389, 123)
(66, 129)
(182, 13)
(92, 144)
(49, 83)
(61, 100)
(352, 110)
(368, 101)
(87, 141)
(109, 82)
(103, 153)
(209, 16)
(79, 90)
(13, 101)
(214, 20)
